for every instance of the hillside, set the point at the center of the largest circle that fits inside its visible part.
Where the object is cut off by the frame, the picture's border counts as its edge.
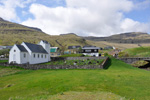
(138, 52)
(120, 82)
(131, 37)
(11, 33)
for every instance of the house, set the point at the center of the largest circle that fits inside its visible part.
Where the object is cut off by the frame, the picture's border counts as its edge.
(67, 52)
(74, 49)
(54, 51)
(30, 53)
(108, 47)
(100, 48)
(5, 47)
(90, 50)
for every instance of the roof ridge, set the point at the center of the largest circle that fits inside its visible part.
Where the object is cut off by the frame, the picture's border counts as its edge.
(30, 43)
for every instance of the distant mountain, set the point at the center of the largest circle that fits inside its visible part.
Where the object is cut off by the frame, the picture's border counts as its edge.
(6, 26)
(68, 34)
(13, 33)
(130, 37)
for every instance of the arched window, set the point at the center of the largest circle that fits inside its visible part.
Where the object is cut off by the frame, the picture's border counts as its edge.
(34, 55)
(42, 56)
(24, 55)
(38, 55)
(45, 56)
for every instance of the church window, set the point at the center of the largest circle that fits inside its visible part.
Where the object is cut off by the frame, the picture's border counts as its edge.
(24, 55)
(34, 55)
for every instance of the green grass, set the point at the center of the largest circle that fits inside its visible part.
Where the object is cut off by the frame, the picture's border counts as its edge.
(78, 62)
(86, 96)
(3, 61)
(119, 79)
(138, 52)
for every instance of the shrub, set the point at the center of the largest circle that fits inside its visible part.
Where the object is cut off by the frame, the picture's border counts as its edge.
(139, 63)
(123, 54)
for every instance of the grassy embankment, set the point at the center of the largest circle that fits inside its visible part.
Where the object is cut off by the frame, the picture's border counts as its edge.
(138, 52)
(119, 82)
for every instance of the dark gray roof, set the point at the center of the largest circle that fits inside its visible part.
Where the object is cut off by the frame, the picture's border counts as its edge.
(108, 47)
(22, 48)
(73, 47)
(36, 48)
(91, 47)
(88, 46)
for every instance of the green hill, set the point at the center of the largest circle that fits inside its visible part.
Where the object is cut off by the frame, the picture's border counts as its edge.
(120, 82)
(130, 37)
(11, 33)
(138, 52)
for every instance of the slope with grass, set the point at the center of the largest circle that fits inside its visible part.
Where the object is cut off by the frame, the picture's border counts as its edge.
(128, 38)
(119, 81)
(11, 33)
(138, 52)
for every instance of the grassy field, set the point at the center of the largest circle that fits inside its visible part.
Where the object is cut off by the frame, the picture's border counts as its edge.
(138, 52)
(119, 82)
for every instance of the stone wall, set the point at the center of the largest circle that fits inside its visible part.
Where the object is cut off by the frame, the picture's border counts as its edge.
(36, 67)
(105, 62)
(4, 59)
(42, 66)
(75, 58)
(130, 60)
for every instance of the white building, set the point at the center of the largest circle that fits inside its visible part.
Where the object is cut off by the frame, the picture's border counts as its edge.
(90, 50)
(30, 53)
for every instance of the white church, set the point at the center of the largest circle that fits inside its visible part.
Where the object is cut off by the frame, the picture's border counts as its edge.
(30, 53)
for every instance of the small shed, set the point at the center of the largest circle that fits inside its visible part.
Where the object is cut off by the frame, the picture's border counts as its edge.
(54, 52)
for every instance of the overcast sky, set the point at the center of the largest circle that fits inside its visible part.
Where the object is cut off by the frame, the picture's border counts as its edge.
(83, 17)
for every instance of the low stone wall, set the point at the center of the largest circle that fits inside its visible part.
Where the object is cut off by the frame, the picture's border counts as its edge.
(42, 66)
(75, 58)
(36, 67)
(3, 58)
(105, 62)
(131, 60)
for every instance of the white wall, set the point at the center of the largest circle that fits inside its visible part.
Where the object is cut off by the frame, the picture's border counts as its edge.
(36, 59)
(18, 56)
(14, 55)
(46, 47)
(92, 54)
(23, 59)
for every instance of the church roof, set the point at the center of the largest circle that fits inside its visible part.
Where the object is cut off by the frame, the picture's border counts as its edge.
(36, 48)
(22, 48)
